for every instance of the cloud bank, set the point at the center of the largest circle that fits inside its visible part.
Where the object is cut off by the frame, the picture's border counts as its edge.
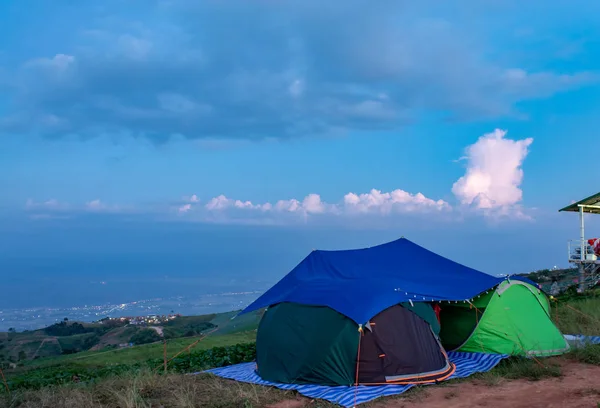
(491, 186)
(253, 70)
(373, 202)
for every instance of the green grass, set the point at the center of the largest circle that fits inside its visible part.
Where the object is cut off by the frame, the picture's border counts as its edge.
(49, 348)
(577, 316)
(588, 355)
(242, 323)
(142, 353)
(155, 350)
(184, 321)
(523, 368)
(75, 341)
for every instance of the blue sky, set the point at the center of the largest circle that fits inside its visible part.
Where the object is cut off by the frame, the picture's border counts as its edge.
(294, 122)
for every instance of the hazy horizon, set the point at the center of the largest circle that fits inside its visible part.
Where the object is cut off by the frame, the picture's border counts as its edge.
(62, 267)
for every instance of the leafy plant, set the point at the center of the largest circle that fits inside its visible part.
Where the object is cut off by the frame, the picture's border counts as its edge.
(70, 373)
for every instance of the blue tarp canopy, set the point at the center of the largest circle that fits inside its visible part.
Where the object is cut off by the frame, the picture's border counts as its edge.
(361, 283)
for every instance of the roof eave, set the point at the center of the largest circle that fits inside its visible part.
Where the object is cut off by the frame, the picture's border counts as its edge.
(590, 205)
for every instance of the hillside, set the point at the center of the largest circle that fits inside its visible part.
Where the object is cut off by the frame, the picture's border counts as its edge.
(66, 341)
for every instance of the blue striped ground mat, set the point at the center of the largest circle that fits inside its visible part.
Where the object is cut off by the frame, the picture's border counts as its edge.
(579, 340)
(466, 364)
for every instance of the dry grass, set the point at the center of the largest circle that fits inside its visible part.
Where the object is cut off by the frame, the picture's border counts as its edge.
(149, 390)
(590, 354)
(578, 316)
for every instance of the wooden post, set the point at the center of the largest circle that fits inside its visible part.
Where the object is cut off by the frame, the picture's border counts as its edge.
(4, 381)
(165, 354)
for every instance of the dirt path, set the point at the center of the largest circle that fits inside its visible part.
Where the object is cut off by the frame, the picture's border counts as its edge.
(44, 341)
(579, 387)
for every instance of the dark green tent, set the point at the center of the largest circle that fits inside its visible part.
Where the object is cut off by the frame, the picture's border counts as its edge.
(315, 344)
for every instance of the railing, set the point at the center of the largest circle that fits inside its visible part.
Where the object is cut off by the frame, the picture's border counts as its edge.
(575, 249)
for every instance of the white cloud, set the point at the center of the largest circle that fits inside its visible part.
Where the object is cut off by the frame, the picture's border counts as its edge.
(494, 175)
(292, 205)
(312, 204)
(491, 186)
(58, 63)
(53, 206)
(313, 75)
(218, 203)
(181, 105)
(134, 47)
(100, 206)
(374, 202)
(95, 205)
(397, 200)
(296, 88)
(221, 202)
(191, 199)
(184, 208)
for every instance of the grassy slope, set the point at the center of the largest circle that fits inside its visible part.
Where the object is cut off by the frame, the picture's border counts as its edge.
(38, 343)
(116, 336)
(229, 323)
(155, 350)
(50, 350)
(143, 352)
(578, 316)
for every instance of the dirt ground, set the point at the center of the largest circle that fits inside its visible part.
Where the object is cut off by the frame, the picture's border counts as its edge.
(579, 387)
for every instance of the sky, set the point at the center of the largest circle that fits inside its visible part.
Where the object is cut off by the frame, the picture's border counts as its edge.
(216, 143)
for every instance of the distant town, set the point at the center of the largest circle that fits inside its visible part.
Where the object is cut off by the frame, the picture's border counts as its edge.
(141, 320)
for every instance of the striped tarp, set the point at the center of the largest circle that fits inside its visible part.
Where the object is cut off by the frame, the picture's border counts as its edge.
(578, 340)
(466, 364)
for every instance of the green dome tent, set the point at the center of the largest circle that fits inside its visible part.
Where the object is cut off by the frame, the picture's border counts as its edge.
(513, 318)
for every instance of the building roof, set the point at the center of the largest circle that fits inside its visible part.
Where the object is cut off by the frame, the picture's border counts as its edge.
(590, 205)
